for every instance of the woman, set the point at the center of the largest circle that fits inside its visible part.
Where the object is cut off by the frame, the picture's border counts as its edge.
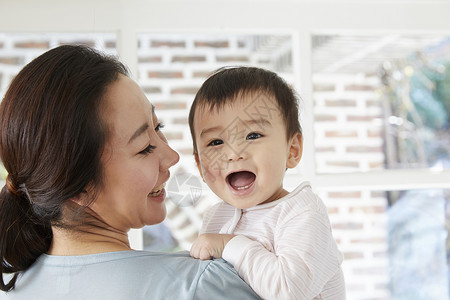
(87, 161)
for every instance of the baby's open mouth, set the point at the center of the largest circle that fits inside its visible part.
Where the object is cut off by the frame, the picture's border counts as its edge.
(241, 180)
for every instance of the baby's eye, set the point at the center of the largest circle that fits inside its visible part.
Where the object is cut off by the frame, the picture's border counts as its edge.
(254, 136)
(215, 143)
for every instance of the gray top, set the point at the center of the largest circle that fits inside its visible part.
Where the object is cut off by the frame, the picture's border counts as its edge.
(129, 275)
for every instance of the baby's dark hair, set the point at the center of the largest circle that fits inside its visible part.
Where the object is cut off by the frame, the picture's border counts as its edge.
(226, 84)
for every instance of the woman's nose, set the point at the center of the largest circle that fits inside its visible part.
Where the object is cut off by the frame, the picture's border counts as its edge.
(169, 157)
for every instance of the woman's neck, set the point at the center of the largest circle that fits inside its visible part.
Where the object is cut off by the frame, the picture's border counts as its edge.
(81, 242)
(83, 232)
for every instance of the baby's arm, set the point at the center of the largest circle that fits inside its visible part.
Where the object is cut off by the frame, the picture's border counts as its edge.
(210, 245)
(305, 259)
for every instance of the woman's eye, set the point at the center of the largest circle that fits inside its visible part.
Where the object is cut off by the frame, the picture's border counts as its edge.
(215, 143)
(159, 126)
(149, 149)
(254, 136)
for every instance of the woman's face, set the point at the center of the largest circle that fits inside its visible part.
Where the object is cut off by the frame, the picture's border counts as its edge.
(136, 160)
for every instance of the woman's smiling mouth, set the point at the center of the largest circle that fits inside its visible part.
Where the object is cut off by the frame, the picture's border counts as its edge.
(157, 191)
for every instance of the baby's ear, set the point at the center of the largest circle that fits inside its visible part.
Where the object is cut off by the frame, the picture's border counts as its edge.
(199, 166)
(295, 151)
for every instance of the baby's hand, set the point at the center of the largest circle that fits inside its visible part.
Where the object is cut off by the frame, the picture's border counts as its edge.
(210, 245)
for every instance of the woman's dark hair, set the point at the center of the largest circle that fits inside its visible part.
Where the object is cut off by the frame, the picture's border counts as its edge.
(226, 84)
(51, 141)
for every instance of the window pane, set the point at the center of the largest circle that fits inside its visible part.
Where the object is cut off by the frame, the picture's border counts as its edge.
(418, 223)
(381, 101)
(395, 243)
(171, 68)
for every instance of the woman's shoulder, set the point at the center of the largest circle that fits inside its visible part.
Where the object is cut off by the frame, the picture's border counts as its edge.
(129, 275)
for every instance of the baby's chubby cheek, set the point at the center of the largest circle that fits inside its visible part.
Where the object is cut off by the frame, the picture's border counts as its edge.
(210, 175)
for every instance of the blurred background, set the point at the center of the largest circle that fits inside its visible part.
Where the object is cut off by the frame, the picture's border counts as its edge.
(374, 78)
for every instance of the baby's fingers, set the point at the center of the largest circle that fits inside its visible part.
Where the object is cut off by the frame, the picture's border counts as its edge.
(204, 254)
(194, 250)
(200, 251)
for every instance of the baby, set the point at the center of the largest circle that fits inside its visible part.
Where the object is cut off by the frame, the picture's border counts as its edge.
(245, 127)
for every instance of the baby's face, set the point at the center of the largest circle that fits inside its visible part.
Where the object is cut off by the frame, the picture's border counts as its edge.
(243, 151)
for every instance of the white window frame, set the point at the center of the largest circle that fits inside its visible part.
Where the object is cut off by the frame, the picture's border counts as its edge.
(303, 18)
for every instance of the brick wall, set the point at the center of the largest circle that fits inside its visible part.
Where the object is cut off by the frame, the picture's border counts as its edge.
(348, 123)
(16, 50)
(359, 225)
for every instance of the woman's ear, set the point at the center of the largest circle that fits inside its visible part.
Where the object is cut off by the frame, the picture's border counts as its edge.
(81, 199)
(295, 151)
(199, 166)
